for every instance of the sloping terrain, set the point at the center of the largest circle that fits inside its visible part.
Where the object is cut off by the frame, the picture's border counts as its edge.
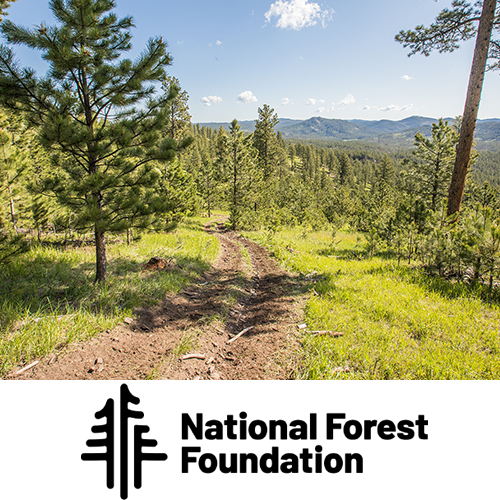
(397, 133)
(189, 335)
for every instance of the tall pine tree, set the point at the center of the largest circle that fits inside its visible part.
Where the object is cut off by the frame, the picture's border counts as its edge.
(98, 110)
(179, 118)
(236, 157)
(450, 28)
(266, 142)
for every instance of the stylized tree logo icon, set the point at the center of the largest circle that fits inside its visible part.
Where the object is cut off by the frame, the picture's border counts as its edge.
(108, 442)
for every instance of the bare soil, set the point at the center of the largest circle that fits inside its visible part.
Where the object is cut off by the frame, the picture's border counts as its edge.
(245, 288)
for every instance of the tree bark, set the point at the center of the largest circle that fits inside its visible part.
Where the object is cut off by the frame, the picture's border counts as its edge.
(12, 210)
(100, 251)
(100, 246)
(473, 99)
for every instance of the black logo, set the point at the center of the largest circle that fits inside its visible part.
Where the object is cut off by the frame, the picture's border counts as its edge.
(108, 442)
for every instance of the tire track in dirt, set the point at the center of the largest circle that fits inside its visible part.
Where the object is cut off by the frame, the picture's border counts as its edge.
(234, 295)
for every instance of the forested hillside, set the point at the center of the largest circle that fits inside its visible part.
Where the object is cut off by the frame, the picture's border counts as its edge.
(262, 178)
(386, 132)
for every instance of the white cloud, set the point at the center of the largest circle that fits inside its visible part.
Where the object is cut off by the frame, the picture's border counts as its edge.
(311, 102)
(407, 77)
(246, 97)
(393, 107)
(298, 14)
(321, 110)
(211, 99)
(349, 99)
(285, 101)
(218, 42)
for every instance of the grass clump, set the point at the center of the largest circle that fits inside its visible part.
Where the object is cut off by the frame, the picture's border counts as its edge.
(397, 322)
(48, 297)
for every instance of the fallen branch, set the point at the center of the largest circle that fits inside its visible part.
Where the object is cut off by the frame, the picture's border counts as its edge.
(326, 332)
(193, 356)
(26, 368)
(240, 334)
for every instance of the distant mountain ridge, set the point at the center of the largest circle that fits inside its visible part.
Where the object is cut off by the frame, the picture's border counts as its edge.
(397, 133)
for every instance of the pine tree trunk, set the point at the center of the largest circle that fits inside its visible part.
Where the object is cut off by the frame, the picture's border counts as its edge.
(12, 211)
(100, 246)
(173, 123)
(471, 107)
(100, 252)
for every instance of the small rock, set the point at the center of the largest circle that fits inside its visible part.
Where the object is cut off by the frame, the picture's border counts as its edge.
(216, 376)
(99, 361)
(210, 360)
(128, 321)
(301, 327)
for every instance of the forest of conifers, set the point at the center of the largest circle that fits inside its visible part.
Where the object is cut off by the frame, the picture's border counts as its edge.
(94, 149)
(394, 196)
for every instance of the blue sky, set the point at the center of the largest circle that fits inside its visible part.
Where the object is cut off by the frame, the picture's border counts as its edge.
(332, 58)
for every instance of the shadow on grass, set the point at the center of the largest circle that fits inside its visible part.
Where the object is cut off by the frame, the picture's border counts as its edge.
(453, 289)
(342, 254)
(445, 287)
(44, 286)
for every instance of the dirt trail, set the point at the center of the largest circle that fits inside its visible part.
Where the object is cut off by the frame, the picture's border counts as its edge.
(239, 292)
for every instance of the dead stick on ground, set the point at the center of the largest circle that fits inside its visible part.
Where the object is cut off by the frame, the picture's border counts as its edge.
(240, 334)
(325, 332)
(27, 368)
(193, 356)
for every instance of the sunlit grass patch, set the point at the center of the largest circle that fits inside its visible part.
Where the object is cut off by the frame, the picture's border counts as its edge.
(48, 297)
(396, 322)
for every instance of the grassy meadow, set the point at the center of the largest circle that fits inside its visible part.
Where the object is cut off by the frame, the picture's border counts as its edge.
(395, 321)
(48, 297)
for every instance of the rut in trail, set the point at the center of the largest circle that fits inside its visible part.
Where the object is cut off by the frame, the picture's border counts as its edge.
(239, 292)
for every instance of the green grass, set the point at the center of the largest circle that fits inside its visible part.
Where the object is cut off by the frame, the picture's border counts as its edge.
(48, 297)
(397, 322)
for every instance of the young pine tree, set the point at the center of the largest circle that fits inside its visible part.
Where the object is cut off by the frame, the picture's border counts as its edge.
(270, 151)
(237, 158)
(98, 110)
(432, 163)
(179, 117)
